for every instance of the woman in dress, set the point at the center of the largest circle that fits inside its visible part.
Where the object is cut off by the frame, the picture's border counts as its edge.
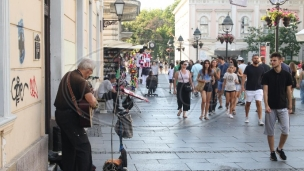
(183, 78)
(206, 75)
(239, 74)
(294, 71)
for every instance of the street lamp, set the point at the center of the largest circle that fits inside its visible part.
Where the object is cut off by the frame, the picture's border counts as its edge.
(277, 3)
(227, 28)
(197, 36)
(180, 40)
(119, 7)
(169, 50)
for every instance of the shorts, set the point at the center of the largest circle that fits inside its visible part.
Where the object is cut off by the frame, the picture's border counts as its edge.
(171, 81)
(283, 121)
(219, 85)
(238, 87)
(255, 94)
(229, 91)
(208, 87)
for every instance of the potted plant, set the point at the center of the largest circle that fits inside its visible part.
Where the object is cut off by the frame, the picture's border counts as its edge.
(267, 19)
(289, 16)
(221, 38)
(229, 38)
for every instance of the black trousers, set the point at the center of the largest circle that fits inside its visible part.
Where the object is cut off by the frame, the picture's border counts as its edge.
(213, 100)
(109, 96)
(76, 147)
(183, 98)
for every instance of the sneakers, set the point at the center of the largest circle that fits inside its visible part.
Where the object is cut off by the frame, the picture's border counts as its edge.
(220, 107)
(261, 123)
(242, 104)
(247, 120)
(273, 156)
(231, 116)
(281, 154)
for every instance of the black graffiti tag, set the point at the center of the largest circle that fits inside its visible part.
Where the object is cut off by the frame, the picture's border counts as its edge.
(17, 90)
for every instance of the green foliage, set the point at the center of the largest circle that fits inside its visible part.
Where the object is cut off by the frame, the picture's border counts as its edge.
(288, 45)
(154, 25)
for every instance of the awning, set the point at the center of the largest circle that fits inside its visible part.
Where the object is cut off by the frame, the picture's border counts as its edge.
(116, 44)
(137, 47)
(300, 36)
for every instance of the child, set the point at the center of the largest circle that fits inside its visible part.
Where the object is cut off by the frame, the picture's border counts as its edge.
(170, 73)
(230, 81)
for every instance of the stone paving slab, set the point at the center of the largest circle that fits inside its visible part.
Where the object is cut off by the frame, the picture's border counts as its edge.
(163, 141)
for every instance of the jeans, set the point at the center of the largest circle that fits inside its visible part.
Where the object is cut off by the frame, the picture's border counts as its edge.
(302, 91)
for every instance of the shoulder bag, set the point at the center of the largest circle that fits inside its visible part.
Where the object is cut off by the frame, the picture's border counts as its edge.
(83, 108)
(186, 87)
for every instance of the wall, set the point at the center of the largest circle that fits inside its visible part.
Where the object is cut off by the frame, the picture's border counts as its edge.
(26, 83)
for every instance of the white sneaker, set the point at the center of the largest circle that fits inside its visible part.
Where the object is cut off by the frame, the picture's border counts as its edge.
(247, 120)
(261, 123)
(231, 116)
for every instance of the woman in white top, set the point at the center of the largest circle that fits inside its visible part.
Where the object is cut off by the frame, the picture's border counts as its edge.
(183, 77)
(154, 69)
(239, 73)
(229, 85)
(170, 75)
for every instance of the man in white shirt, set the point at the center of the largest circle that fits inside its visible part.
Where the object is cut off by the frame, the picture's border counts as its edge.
(242, 66)
(194, 71)
(108, 92)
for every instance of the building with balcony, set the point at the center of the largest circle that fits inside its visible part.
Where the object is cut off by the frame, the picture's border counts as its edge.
(208, 15)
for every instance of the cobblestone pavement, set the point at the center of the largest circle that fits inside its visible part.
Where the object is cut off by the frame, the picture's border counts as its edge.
(163, 141)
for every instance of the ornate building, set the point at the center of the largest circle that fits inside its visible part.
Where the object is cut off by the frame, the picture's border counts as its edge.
(208, 15)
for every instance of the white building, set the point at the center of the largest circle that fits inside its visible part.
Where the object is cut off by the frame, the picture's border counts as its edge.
(208, 16)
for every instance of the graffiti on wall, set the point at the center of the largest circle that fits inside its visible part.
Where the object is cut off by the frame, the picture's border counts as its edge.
(17, 90)
(21, 41)
(33, 88)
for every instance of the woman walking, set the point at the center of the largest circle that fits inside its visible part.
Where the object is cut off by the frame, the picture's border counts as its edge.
(217, 73)
(294, 71)
(229, 85)
(301, 84)
(206, 75)
(170, 75)
(239, 74)
(183, 77)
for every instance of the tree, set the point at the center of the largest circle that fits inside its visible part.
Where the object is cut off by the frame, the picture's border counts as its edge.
(155, 25)
(288, 43)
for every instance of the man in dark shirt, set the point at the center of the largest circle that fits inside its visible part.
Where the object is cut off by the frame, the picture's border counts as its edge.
(277, 92)
(76, 148)
(223, 66)
(264, 65)
(253, 73)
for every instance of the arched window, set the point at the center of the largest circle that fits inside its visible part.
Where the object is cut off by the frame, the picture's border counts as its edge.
(220, 22)
(204, 25)
(244, 25)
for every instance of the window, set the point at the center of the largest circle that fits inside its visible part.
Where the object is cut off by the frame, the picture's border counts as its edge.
(220, 22)
(204, 25)
(244, 25)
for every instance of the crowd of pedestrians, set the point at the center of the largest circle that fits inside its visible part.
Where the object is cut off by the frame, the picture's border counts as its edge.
(242, 84)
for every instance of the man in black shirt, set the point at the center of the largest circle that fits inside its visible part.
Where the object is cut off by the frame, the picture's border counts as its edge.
(277, 92)
(264, 65)
(76, 147)
(253, 73)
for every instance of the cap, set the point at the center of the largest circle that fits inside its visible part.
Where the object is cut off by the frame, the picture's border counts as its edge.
(240, 58)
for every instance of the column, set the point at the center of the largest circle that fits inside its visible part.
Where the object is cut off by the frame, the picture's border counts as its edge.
(56, 47)
(80, 29)
(4, 59)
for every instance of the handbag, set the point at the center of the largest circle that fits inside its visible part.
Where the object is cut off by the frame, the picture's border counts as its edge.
(83, 108)
(186, 87)
(200, 86)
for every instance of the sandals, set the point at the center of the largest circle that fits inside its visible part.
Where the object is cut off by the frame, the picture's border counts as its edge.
(179, 113)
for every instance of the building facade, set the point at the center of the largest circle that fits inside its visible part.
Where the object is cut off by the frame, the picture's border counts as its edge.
(208, 15)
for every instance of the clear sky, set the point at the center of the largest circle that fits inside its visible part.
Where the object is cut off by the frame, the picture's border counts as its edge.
(155, 4)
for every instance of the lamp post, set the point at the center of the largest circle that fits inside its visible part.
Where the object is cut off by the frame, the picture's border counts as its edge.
(119, 7)
(277, 3)
(197, 36)
(227, 28)
(170, 43)
(180, 40)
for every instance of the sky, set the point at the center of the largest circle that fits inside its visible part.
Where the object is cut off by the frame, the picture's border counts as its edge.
(155, 4)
